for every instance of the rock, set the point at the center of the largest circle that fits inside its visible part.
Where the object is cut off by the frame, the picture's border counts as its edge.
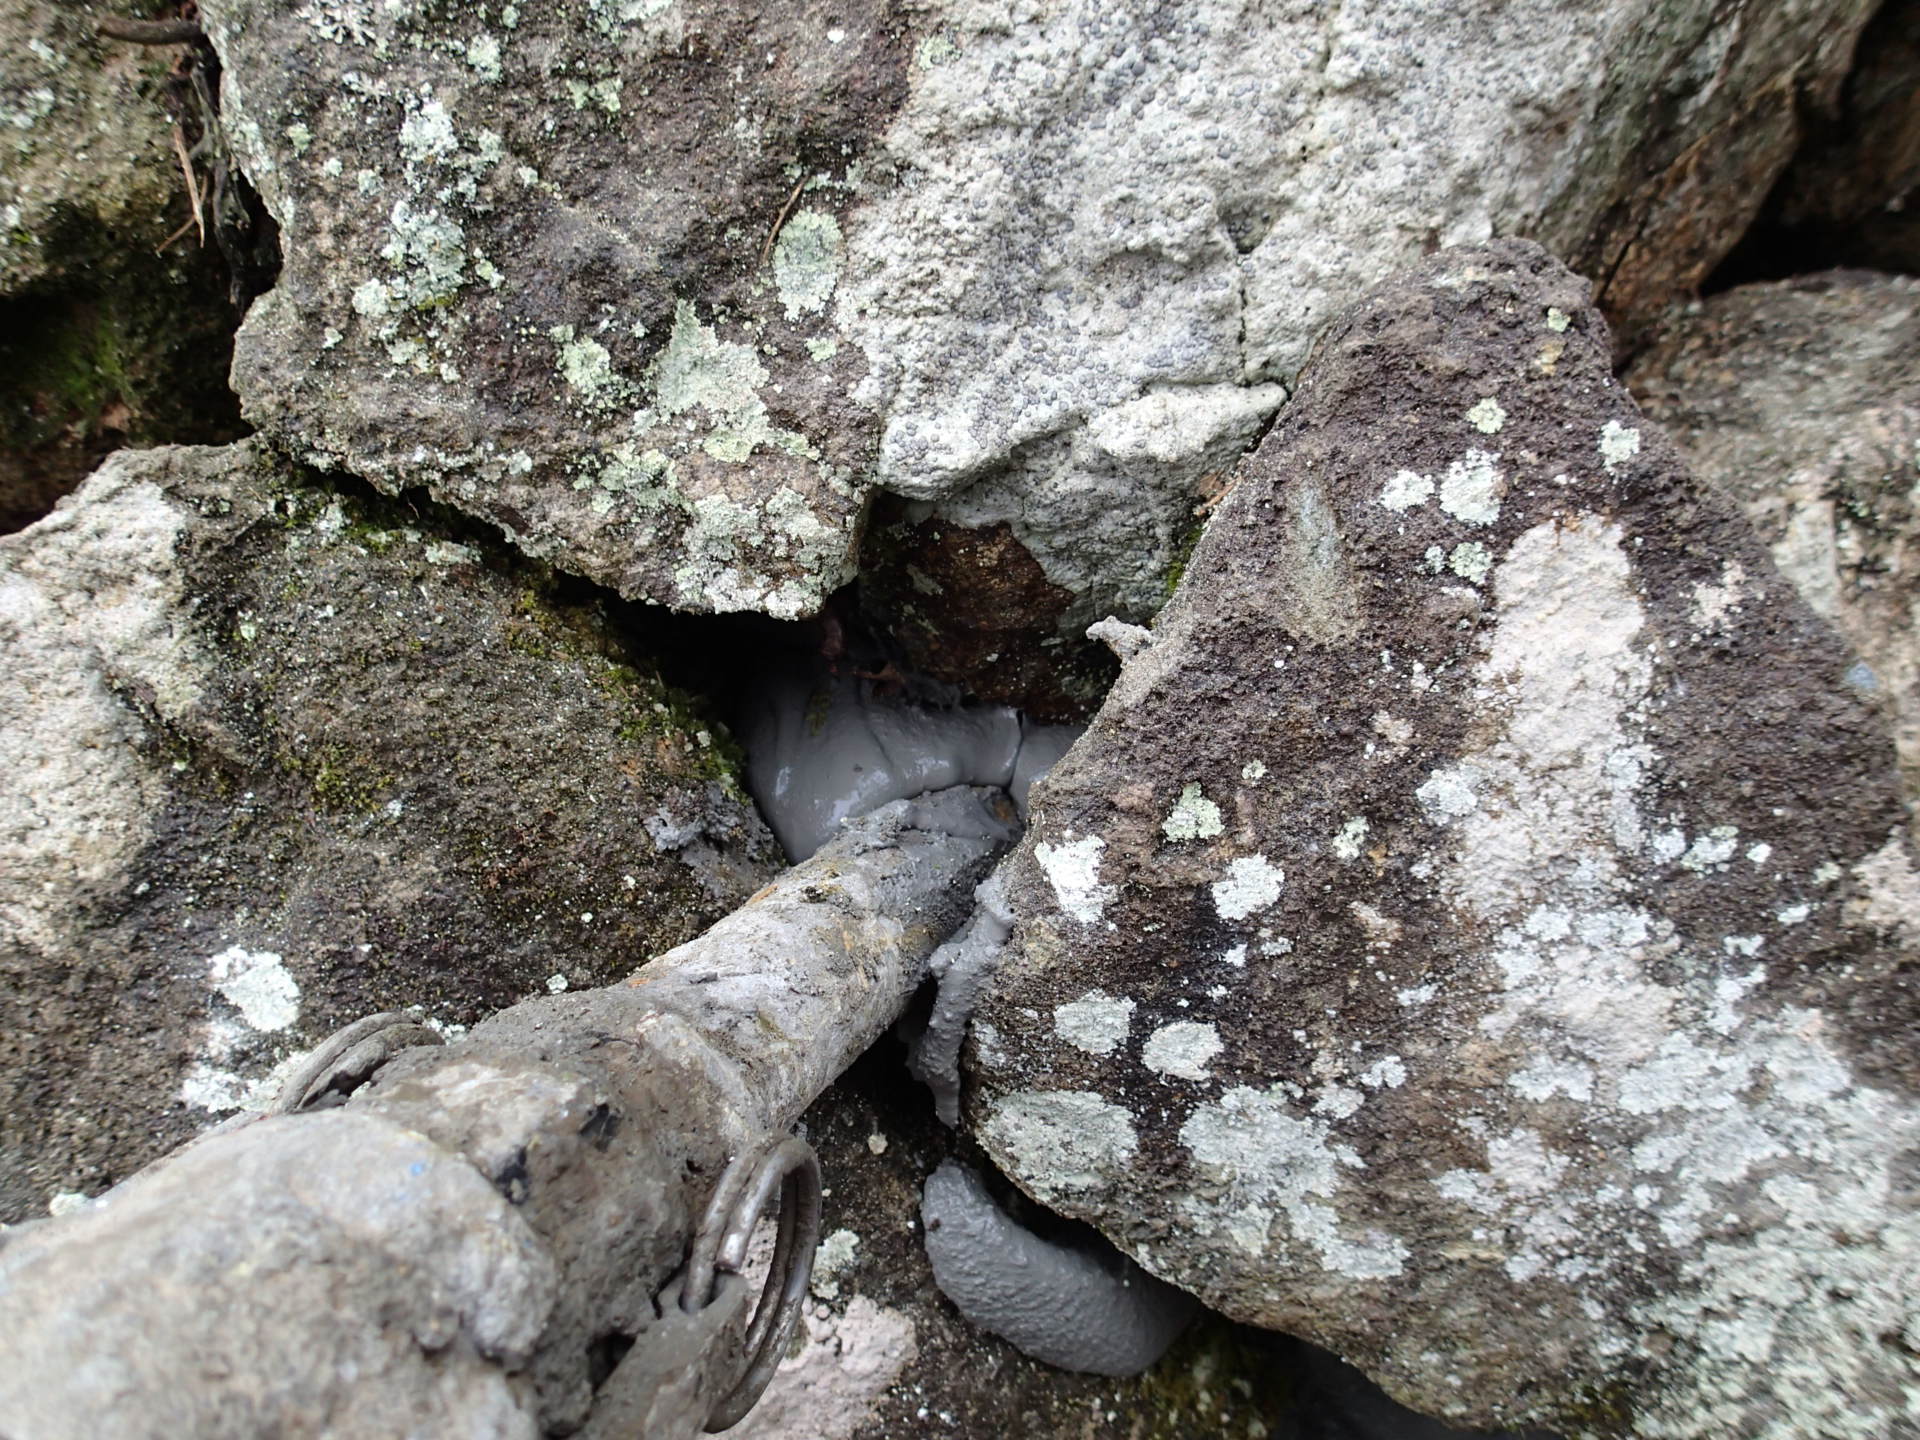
(84, 152)
(279, 754)
(109, 335)
(972, 608)
(569, 267)
(1476, 934)
(665, 290)
(1801, 400)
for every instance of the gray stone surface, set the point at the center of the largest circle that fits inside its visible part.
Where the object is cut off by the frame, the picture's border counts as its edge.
(1476, 934)
(665, 289)
(1801, 400)
(277, 755)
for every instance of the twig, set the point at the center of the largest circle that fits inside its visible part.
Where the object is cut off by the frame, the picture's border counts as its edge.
(781, 219)
(193, 187)
(150, 32)
(162, 247)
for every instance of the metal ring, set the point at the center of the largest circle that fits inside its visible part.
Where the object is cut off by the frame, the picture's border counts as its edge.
(720, 1245)
(314, 1075)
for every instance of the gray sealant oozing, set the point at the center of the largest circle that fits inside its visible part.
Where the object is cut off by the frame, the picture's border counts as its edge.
(962, 968)
(1079, 1304)
(823, 749)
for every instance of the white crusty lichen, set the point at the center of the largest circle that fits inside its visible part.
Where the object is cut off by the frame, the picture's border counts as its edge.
(1183, 1048)
(1061, 1142)
(1072, 868)
(1618, 444)
(1096, 1023)
(1275, 1177)
(1251, 884)
(1470, 490)
(807, 259)
(1746, 1157)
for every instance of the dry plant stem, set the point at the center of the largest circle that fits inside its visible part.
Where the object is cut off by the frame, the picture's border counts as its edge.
(193, 189)
(461, 1235)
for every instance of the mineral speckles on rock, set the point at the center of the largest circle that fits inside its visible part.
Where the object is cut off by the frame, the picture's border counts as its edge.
(1535, 1044)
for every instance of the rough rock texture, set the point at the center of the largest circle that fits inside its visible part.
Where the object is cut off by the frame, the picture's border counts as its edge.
(1477, 933)
(663, 288)
(310, 1209)
(1801, 400)
(972, 608)
(532, 262)
(83, 140)
(277, 755)
(108, 335)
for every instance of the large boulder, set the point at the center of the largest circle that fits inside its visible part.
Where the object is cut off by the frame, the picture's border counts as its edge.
(665, 288)
(1476, 934)
(277, 755)
(1801, 400)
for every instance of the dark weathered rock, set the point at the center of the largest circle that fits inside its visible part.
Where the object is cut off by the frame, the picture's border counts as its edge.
(1477, 933)
(1801, 400)
(278, 755)
(973, 608)
(666, 289)
(887, 1355)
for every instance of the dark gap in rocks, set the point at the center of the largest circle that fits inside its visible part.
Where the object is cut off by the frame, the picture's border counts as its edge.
(126, 341)
(971, 608)
(1848, 199)
(129, 350)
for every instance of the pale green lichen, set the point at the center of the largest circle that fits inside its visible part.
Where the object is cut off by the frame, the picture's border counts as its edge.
(587, 367)
(697, 370)
(807, 260)
(1193, 817)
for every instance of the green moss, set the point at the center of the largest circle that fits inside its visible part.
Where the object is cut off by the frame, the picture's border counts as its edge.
(342, 782)
(1601, 1413)
(1183, 552)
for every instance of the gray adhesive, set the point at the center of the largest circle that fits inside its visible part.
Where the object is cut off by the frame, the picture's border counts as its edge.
(962, 967)
(1081, 1305)
(822, 749)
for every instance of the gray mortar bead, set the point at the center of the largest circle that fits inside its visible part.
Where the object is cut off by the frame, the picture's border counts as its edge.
(822, 749)
(1080, 1305)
